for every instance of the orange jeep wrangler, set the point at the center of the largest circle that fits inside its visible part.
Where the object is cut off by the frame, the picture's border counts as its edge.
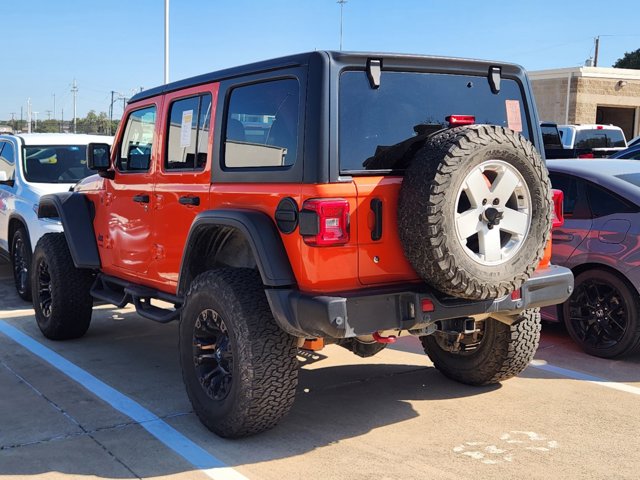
(314, 199)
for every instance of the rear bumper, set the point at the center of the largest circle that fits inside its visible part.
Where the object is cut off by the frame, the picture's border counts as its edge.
(363, 312)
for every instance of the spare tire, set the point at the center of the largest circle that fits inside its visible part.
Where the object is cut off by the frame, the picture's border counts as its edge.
(475, 211)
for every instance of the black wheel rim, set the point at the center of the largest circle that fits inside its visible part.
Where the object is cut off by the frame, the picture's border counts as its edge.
(598, 314)
(212, 354)
(20, 265)
(44, 288)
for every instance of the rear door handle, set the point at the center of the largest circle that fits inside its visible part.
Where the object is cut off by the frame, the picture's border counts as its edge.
(189, 201)
(141, 198)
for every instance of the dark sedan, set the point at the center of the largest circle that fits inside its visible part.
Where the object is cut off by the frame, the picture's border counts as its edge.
(600, 242)
(631, 153)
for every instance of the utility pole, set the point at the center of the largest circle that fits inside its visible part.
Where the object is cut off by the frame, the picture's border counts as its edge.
(21, 117)
(74, 90)
(54, 106)
(35, 114)
(595, 57)
(166, 41)
(48, 112)
(28, 115)
(62, 120)
(341, 2)
(13, 120)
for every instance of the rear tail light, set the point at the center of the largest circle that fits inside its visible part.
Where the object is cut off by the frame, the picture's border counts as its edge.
(586, 155)
(457, 120)
(325, 222)
(558, 210)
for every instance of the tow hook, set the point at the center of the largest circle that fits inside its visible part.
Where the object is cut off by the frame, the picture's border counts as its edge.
(380, 339)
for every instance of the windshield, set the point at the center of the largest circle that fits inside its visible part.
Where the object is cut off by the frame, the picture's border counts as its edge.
(599, 138)
(55, 164)
(378, 124)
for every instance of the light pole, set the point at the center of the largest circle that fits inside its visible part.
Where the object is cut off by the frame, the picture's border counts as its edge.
(166, 41)
(341, 2)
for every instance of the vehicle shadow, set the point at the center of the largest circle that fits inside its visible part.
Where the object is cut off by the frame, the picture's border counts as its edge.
(334, 403)
(9, 301)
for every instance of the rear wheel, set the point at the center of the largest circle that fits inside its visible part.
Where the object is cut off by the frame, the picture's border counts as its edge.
(21, 263)
(239, 368)
(602, 314)
(61, 297)
(502, 351)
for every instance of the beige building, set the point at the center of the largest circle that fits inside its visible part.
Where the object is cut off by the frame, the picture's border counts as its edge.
(589, 95)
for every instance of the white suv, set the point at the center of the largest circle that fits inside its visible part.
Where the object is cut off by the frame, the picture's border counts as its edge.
(32, 165)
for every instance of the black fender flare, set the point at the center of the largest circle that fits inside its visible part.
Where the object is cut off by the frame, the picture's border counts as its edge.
(260, 232)
(76, 214)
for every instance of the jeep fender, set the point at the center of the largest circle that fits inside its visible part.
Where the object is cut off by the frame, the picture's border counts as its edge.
(260, 233)
(76, 215)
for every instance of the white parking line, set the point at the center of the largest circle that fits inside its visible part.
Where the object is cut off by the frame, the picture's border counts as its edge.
(565, 372)
(187, 449)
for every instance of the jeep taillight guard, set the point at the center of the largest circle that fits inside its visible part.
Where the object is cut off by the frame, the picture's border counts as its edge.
(325, 222)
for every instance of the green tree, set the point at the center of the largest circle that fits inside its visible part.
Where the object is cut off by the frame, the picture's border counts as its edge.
(630, 60)
(47, 126)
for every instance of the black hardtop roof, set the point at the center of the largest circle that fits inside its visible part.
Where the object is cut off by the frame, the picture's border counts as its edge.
(355, 58)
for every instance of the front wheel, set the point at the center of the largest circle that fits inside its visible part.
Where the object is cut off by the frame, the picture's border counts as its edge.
(239, 368)
(503, 351)
(61, 297)
(21, 263)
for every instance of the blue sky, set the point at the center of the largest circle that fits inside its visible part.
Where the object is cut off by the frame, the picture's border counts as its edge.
(118, 45)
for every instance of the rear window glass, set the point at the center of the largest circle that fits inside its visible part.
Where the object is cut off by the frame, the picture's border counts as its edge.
(372, 120)
(599, 139)
(632, 178)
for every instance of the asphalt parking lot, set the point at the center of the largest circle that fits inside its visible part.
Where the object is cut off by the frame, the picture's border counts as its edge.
(112, 405)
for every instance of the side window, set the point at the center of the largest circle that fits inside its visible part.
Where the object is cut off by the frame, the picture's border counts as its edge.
(575, 204)
(188, 136)
(604, 202)
(7, 162)
(262, 125)
(137, 141)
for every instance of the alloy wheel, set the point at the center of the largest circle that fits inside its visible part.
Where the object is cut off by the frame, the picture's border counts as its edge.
(213, 355)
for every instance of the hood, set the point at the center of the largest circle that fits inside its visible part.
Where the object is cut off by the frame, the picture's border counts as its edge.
(45, 188)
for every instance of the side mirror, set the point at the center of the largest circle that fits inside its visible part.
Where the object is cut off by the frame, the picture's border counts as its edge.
(98, 156)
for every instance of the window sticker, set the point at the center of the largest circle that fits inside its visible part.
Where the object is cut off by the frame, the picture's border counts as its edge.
(185, 131)
(514, 118)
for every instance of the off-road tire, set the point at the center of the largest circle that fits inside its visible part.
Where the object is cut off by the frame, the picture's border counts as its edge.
(21, 251)
(265, 366)
(504, 352)
(428, 206)
(603, 337)
(70, 301)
